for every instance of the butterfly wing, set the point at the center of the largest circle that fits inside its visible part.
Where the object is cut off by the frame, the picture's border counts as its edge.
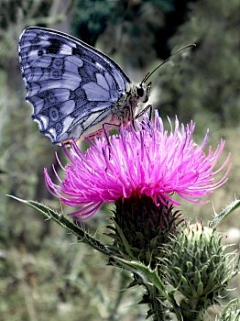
(71, 85)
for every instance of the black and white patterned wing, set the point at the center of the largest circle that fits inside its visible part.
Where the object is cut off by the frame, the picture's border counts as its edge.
(71, 85)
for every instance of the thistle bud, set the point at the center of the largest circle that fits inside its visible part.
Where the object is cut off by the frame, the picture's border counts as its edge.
(198, 268)
(231, 312)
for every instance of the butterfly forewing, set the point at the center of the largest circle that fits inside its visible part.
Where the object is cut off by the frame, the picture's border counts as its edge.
(71, 85)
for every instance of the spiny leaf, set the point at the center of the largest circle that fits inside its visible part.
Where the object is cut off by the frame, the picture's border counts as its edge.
(221, 216)
(63, 221)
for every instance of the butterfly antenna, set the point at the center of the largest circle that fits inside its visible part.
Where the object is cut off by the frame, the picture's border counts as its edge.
(149, 74)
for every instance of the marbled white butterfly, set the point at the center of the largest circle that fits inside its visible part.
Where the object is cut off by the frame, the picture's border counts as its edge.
(74, 88)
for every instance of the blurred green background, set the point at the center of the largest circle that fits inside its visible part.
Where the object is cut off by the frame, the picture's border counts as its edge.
(44, 273)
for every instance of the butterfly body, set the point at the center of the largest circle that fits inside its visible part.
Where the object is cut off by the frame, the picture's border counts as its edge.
(74, 88)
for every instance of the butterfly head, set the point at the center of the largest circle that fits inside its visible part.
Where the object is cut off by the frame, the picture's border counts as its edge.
(143, 91)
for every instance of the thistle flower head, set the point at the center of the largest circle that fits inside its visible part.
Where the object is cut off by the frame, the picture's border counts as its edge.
(149, 161)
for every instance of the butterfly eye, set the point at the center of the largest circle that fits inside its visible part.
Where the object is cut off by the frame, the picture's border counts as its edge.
(140, 91)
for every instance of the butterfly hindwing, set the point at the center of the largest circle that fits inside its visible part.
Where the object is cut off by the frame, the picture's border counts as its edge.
(71, 85)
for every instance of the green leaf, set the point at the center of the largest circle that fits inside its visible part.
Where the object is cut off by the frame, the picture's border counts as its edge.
(150, 277)
(64, 222)
(221, 216)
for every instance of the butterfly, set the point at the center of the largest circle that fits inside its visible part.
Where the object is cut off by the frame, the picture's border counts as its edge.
(74, 88)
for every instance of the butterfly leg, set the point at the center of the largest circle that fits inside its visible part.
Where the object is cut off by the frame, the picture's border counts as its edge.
(106, 133)
(144, 111)
(144, 123)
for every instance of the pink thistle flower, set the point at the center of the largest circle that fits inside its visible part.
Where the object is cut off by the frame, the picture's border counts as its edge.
(150, 161)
